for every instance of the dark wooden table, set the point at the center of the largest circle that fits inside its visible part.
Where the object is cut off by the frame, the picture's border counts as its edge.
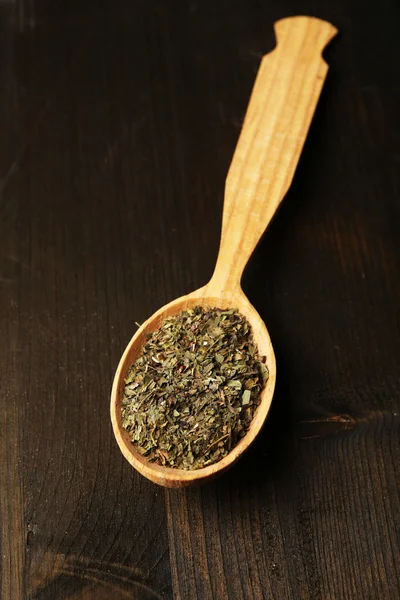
(118, 120)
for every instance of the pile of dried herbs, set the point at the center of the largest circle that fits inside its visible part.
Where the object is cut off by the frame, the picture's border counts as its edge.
(191, 394)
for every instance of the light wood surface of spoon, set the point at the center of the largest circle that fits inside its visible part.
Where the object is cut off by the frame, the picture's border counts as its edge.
(282, 104)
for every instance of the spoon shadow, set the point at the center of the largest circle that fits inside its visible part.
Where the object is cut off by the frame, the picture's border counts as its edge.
(276, 445)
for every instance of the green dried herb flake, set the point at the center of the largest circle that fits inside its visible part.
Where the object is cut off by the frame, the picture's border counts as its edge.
(246, 397)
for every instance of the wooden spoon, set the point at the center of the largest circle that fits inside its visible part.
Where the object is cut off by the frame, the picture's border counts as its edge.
(278, 117)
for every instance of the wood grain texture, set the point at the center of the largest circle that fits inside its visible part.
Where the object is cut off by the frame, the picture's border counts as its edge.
(12, 548)
(118, 121)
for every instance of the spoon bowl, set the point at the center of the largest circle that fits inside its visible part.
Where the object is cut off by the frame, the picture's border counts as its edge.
(168, 476)
(277, 120)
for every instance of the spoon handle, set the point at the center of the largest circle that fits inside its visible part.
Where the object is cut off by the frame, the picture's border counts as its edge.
(281, 107)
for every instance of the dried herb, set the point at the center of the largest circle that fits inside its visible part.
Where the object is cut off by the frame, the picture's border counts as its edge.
(191, 394)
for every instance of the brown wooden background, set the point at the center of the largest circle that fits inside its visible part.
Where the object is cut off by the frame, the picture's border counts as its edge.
(118, 120)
